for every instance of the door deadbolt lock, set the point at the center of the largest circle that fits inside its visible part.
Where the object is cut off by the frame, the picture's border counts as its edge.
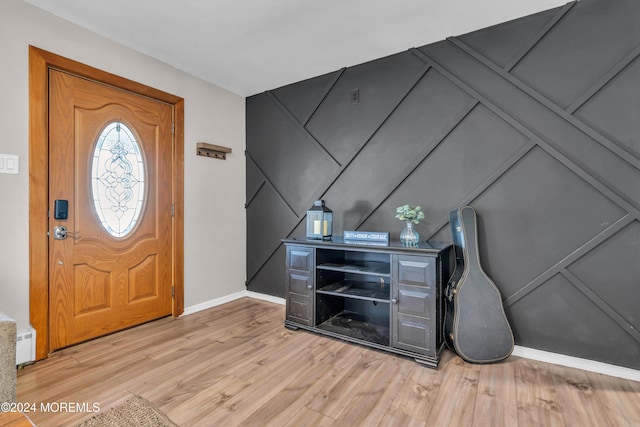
(59, 232)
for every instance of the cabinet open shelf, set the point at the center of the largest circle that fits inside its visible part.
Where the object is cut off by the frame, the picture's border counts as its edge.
(369, 291)
(373, 268)
(357, 326)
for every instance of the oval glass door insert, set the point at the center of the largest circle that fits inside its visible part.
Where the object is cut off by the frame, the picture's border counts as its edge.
(118, 179)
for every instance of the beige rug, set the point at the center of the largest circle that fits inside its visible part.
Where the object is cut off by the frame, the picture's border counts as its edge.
(135, 412)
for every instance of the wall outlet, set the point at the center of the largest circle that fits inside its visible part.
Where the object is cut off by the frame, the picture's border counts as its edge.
(9, 164)
(355, 96)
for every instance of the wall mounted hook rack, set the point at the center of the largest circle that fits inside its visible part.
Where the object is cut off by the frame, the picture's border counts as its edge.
(210, 150)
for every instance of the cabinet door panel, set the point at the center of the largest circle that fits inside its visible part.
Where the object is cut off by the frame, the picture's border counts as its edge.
(413, 284)
(414, 334)
(414, 301)
(300, 259)
(415, 270)
(300, 285)
(300, 309)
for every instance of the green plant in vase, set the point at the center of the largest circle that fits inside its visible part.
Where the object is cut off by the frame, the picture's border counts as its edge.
(411, 215)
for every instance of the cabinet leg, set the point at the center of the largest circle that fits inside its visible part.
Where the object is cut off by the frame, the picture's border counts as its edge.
(429, 363)
(290, 326)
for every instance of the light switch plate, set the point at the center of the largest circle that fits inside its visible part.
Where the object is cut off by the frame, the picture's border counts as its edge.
(9, 164)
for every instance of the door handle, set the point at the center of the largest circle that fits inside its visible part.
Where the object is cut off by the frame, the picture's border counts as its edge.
(59, 232)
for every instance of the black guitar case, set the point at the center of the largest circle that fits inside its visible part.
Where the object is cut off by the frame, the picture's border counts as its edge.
(475, 326)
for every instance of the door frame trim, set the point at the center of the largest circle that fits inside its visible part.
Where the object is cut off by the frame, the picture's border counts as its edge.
(40, 61)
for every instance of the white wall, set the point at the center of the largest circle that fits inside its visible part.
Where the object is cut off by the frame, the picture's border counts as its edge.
(214, 189)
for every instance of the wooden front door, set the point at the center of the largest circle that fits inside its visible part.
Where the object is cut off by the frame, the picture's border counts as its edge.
(110, 158)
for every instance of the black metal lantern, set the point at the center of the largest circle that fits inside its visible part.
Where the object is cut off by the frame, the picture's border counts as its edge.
(319, 221)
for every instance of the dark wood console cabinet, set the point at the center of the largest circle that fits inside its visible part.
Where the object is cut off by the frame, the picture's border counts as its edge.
(386, 297)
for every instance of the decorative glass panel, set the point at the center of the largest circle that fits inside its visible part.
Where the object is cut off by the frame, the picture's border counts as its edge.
(117, 178)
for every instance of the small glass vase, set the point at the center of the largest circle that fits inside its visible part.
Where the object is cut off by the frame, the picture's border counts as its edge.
(409, 236)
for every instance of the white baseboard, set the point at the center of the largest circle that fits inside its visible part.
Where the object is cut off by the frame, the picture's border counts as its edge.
(577, 362)
(213, 303)
(528, 353)
(232, 297)
(265, 297)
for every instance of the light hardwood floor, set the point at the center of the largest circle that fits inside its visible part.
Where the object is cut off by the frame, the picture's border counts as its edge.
(236, 365)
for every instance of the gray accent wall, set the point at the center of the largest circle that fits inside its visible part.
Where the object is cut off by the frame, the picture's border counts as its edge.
(534, 122)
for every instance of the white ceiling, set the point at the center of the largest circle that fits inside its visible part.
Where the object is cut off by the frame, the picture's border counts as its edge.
(249, 46)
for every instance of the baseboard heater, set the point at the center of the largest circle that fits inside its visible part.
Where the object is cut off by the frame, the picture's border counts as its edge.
(26, 346)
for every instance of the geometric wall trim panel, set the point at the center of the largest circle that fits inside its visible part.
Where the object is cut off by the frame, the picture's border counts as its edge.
(269, 219)
(613, 109)
(464, 166)
(504, 42)
(534, 122)
(302, 99)
(415, 128)
(558, 317)
(269, 277)
(561, 65)
(343, 126)
(255, 180)
(619, 254)
(550, 211)
(276, 142)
